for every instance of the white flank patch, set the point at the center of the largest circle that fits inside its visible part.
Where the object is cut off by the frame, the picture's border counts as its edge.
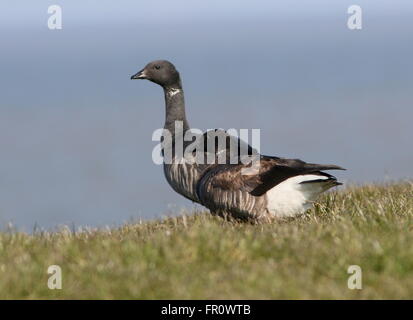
(290, 198)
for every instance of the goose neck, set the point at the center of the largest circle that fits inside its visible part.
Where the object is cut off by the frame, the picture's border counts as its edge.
(175, 108)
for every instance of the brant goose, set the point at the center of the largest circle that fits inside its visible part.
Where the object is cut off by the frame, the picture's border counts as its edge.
(278, 188)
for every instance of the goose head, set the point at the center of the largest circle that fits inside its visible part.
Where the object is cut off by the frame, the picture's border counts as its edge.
(161, 72)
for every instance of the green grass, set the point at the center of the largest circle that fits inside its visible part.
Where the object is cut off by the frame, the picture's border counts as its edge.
(200, 256)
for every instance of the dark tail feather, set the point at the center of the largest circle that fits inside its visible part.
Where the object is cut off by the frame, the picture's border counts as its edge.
(332, 181)
(321, 167)
(287, 168)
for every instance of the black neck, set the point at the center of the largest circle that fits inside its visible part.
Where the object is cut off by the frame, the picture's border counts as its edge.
(175, 108)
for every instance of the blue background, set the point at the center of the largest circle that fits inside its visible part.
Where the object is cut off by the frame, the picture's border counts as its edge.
(75, 132)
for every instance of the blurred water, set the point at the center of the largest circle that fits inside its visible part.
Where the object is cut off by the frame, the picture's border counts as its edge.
(75, 132)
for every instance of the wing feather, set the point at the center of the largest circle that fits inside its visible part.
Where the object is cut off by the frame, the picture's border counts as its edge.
(272, 171)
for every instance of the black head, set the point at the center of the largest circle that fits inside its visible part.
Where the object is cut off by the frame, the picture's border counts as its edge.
(161, 72)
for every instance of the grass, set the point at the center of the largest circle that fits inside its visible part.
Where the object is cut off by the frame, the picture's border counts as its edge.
(199, 256)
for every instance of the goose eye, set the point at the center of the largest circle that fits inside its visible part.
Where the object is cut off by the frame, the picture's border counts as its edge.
(157, 67)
